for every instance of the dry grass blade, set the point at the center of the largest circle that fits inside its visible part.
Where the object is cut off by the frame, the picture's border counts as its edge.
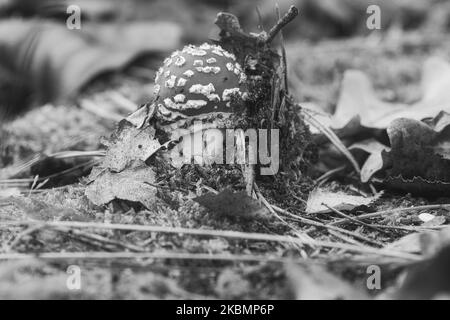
(334, 139)
(393, 211)
(225, 234)
(328, 227)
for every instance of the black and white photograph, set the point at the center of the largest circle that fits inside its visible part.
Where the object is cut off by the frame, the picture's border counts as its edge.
(225, 155)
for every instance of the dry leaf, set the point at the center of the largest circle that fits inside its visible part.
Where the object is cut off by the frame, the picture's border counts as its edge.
(410, 243)
(320, 198)
(128, 144)
(135, 184)
(417, 150)
(358, 105)
(374, 162)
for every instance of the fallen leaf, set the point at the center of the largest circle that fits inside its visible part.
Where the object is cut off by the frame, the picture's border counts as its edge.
(233, 204)
(128, 144)
(416, 151)
(418, 186)
(319, 199)
(358, 105)
(374, 162)
(410, 243)
(426, 243)
(135, 184)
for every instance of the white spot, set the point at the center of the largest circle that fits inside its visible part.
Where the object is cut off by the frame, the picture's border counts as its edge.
(167, 73)
(163, 110)
(195, 104)
(229, 55)
(193, 51)
(242, 77)
(180, 61)
(179, 98)
(205, 46)
(227, 93)
(158, 74)
(174, 54)
(213, 97)
(208, 69)
(198, 63)
(156, 89)
(238, 66)
(217, 52)
(188, 73)
(169, 103)
(181, 82)
(230, 66)
(211, 60)
(171, 82)
(168, 62)
(237, 72)
(201, 89)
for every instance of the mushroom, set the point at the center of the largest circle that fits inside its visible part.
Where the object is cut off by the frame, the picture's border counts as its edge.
(197, 82)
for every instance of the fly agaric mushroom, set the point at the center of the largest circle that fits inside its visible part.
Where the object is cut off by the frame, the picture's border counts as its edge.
(197, 83)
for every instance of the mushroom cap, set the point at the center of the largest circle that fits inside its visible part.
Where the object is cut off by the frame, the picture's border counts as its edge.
(198, 81)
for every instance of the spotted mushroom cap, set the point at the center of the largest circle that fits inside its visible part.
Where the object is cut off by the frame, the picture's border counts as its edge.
(198, 81)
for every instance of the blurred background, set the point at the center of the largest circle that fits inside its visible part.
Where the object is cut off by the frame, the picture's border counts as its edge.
(63, 61)
(42, 60)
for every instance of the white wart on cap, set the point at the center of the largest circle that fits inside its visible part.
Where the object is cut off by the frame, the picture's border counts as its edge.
(198, 81)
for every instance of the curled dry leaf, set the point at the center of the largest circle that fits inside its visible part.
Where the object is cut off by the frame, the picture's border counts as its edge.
(374, 161)
(319, 199)
(416, 155)
(233, 204)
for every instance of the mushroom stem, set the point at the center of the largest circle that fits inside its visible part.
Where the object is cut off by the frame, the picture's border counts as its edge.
(281, 23)
(249, 176)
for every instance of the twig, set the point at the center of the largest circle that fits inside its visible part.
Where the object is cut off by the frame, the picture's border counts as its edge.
(225, 234)
(328, 227)
(283, 57)
(351, 218)
(78, 235)
(144, 255)
(393, 211)
(281, 23)
(328, 174)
